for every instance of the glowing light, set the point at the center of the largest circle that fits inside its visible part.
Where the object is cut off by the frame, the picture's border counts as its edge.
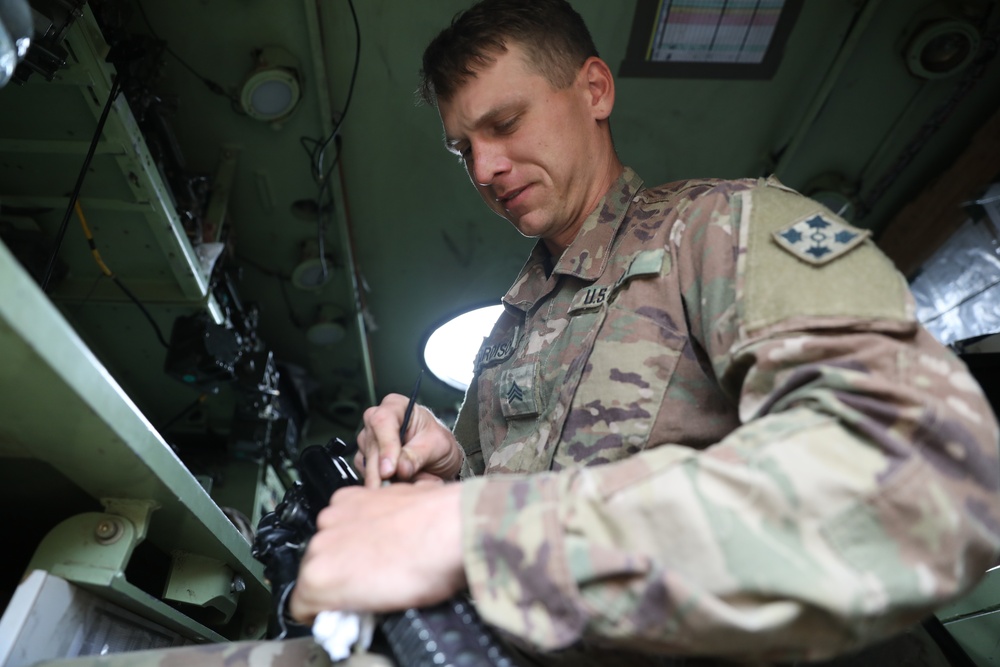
(452, 347)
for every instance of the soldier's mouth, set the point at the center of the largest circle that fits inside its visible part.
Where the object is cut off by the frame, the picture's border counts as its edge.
(508, 198)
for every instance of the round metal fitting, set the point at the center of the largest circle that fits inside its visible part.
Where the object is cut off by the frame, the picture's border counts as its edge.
(942, 48)
(109, 530)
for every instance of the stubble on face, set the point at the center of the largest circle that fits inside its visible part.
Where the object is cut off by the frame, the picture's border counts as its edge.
(527, 146)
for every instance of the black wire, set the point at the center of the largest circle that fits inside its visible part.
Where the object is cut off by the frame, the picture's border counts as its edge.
(311, 152)
(288, 304)
(107, 272)
(282, 285)
(316, 149)
(260, 267)
(316, 155)
(152, 322)
(211, 85)
(322, 208)
(61, 235)
(190, 407)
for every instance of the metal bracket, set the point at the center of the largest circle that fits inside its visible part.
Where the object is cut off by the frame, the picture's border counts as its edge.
(94, 548)
(204, 582)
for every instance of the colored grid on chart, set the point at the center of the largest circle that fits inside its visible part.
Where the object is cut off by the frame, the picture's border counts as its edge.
(714, 31)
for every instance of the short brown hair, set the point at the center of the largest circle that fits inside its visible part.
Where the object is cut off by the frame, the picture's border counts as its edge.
(553, 34)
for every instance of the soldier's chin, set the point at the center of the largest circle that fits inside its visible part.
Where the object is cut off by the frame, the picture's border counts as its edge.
(523, 230)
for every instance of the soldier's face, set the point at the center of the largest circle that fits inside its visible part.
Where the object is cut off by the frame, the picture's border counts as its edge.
(527, 146)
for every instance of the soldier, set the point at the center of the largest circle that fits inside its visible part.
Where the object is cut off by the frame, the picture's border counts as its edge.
(707, 423)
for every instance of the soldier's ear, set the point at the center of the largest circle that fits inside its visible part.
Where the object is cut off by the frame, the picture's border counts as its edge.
(600, 87)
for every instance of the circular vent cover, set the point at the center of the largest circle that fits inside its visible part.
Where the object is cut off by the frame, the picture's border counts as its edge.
(942, 48)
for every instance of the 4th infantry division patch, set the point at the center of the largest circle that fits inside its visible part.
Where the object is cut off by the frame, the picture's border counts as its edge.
(819, 239)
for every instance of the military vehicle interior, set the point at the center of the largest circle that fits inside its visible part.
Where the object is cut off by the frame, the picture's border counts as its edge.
(229, 227)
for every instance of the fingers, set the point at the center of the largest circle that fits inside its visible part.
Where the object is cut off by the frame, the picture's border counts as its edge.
(378, 442)
(428, 446)
(432, 449)
(382, 550)
(361, 503)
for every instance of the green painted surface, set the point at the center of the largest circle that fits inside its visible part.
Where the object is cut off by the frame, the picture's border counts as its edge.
(63, 408)
(204, 582)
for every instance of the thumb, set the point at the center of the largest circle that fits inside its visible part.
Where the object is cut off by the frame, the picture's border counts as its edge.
(410, 462)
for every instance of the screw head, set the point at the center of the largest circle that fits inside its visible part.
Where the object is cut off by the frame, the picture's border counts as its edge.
(108, 530)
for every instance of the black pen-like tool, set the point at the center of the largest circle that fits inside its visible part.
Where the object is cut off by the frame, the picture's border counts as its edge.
(406, 422)
(409, 409)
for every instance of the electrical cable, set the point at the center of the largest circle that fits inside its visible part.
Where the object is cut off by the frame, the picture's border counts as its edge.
(145, 312)
(211, 85)
(190, 407)
(282, 285)
(90, 241)
(261, 268)
(110, 274)
(322, 209)
(321, 150)
(64, 225)
(293, 318)
(317, 153)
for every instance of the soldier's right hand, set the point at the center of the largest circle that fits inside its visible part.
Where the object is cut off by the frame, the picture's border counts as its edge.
(428, 447)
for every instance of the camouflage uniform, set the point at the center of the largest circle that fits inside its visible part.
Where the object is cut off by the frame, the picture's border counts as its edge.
(740, 442)
(860, 493)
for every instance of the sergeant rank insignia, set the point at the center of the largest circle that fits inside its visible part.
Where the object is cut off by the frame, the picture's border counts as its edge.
(819, 239)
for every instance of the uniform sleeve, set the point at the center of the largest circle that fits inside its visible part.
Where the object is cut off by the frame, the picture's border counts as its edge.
(466, 431)
(859, 493)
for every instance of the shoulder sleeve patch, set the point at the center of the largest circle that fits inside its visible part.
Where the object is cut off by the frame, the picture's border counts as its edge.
(818, 239)
(798, 259)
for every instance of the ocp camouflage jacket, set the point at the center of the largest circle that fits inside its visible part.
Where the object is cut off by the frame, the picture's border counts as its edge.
(713, 427)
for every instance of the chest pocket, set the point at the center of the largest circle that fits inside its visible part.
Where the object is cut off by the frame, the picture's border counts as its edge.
(629, 369)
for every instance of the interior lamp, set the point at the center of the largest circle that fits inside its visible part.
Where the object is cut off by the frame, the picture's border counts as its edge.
(312, 272)
(328, 329)
(450, 348)
(272, 89)
(15, 36)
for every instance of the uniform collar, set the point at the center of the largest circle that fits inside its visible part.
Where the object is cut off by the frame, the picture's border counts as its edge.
(586, 256)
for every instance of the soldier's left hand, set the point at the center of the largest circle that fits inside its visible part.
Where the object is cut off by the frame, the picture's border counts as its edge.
(380, 550)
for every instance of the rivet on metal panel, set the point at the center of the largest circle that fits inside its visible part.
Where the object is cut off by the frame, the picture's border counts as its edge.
(109, 530)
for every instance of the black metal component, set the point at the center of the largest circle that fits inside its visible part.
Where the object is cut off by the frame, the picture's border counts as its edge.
(202, 352)
(449, 633)
(46, 55)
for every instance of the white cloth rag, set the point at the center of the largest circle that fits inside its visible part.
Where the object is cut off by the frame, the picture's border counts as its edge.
(338, 632)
